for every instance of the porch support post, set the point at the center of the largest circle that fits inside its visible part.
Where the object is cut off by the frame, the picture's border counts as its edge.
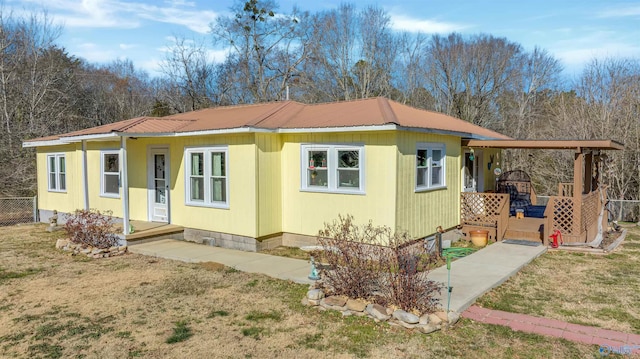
(588, 172)
(124, 181)
(578, 180)
(85, 180)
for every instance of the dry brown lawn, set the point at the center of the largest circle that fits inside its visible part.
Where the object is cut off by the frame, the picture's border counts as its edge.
(588, 289)
(53, 305)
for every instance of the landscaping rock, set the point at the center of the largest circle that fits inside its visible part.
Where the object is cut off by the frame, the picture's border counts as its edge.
(356, 305)
(313, 302)
(61, 243)
(85, 251)
(305, 301)
(429, 328)
(443, 316)
(330, 303)
(434, 319)
(407, 325)
(424, 319)
(453, 317)
(347, 313)
(335, 301)
(406, 317)
(315, 294)
(377, 312)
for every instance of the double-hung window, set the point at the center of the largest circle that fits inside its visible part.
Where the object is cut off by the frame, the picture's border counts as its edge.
(56, 168)
(332, 168)
(206, 182)
(110, 173)
(430, 166)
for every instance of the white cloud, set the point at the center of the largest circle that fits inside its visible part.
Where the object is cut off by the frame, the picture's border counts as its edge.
(406, 23)
(122, 14)
(127, 46)
(624, 11)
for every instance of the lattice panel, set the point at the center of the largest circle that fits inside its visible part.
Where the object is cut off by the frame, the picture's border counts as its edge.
(590, 208)
(481, 208)
(562, 212)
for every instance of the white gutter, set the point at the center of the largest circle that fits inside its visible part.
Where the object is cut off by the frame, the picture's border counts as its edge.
(85, 180)
(125, 186)
(386, 127)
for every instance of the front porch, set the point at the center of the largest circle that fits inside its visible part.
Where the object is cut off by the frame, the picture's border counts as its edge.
(151, 230)
(577, 210)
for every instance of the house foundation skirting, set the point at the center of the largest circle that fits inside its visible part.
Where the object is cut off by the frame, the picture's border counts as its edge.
(249, 244)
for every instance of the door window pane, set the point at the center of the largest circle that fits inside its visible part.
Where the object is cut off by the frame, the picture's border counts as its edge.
(159, 166)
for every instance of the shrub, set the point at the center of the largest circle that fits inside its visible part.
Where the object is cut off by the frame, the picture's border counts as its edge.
(352, 253)
(91, 228)
(406, 285)
(374, 263)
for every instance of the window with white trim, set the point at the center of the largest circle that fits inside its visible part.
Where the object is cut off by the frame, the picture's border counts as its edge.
(206, 172)
(430, 166)
(332, 168)
(56, 168)
(110, 173)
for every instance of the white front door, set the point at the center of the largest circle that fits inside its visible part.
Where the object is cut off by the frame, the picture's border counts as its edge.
(158, 184)
(472, 172)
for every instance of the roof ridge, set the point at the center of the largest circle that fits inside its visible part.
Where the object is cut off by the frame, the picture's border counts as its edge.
(132, 123)
(387, 112)
(266, 115)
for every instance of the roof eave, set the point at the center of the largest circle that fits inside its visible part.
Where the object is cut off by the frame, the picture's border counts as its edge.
(546, 144)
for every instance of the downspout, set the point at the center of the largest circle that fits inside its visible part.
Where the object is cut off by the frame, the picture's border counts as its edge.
(125, 186)
(85, 180)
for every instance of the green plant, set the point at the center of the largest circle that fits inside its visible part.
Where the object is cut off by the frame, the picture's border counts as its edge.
(91, 228)
(181, 332)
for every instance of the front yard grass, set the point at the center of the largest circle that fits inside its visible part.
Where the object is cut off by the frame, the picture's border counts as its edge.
(57, 306)
(587, 289)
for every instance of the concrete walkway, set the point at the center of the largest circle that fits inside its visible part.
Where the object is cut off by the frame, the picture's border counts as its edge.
(296, 270)
(471, 276)
(476, 274)
(610, 341)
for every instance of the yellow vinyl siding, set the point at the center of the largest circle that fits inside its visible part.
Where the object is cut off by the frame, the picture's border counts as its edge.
(64, 202)
(306, 212)
(240, 217)
(269, 184)
(419, 213)
(94, 179)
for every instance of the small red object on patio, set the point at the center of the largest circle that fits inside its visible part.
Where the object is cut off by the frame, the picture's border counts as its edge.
(557, 239)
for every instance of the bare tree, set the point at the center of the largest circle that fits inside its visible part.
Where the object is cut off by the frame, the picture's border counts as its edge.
(265, 49)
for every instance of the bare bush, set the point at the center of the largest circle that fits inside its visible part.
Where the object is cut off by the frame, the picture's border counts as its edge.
(374, 263)
(91, 228)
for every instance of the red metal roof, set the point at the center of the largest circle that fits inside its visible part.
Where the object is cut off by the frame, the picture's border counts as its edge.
(293, 115)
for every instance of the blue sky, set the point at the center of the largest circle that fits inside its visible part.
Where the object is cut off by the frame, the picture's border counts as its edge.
(575, 32)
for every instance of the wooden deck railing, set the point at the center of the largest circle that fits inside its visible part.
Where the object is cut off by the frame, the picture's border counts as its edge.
(488, 211)
(565, 189)
(576, 220)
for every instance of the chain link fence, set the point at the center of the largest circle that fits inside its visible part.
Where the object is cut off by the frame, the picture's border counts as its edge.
(14, 210)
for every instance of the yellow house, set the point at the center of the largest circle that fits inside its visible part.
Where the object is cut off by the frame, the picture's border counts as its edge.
(235, 176)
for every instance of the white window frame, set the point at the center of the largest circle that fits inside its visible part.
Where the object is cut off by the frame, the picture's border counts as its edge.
(208, 176)
(103, 193)
(430, 147)
(332, 168)
(56, 172)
